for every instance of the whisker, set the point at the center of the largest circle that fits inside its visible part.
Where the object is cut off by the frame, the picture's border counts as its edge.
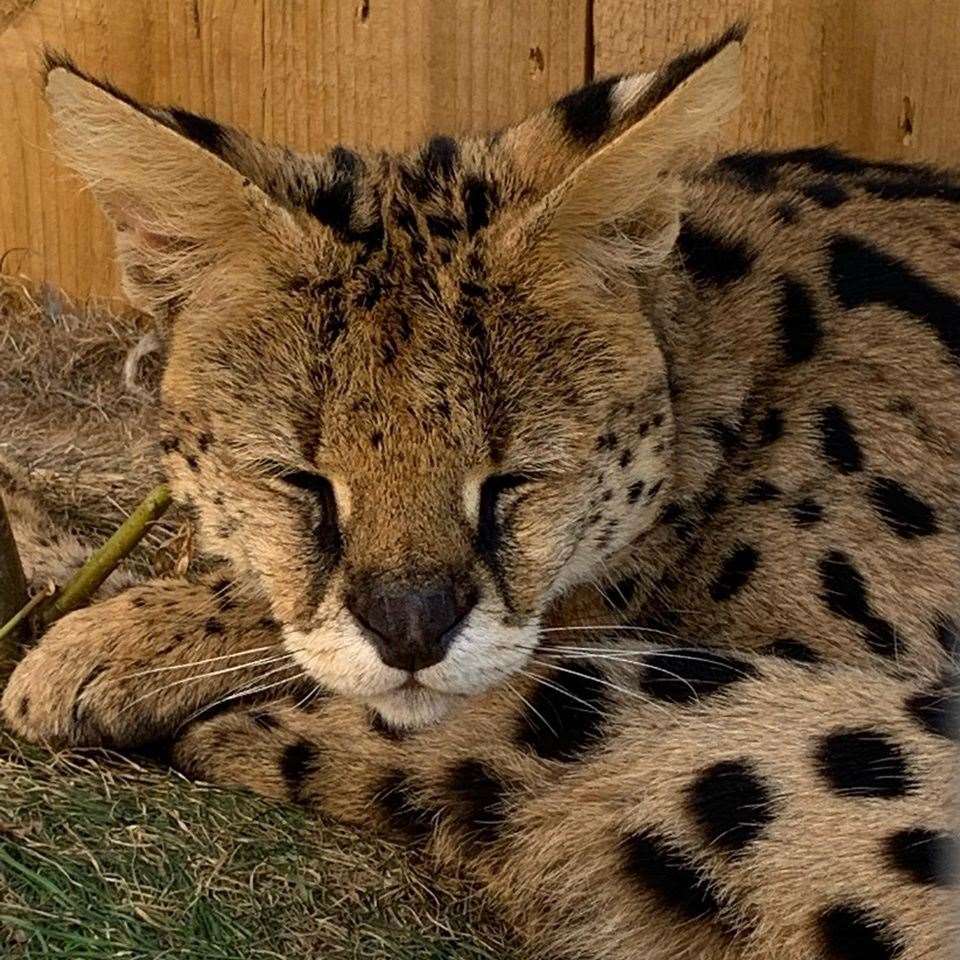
(205, 676)
(632, 694)
(553, 686)
(310, 697)
(196, 663)
(236, 695)
(530, 706)
(612, 628)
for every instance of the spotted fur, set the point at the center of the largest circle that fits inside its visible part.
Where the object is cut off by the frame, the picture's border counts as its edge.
(682, 444)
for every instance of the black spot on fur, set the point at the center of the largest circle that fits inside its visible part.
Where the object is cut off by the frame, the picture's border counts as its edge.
(850, 932)
(712, 260)
(566, 713)
(376, 439)
(479, 797)
(654, 490)
(800, 331)
(626, 458)
(192, 462)
(213, 626)
(662, 869)
(928, 857)
(787, 213)
(205, 441)
(825, 193)
(443, 226)
(671, 513)
(750, 170)
(845, 594)
(761, 491)
(607, 441)
(635, 491)
(770, 427)
(685, 675)
(788, 649)
(937, 709)
(396, 799)
(731, 804)
(23, 708)
(138, 602)
(864, 763)
(946, 630)
(201, 130)
(735, 572)
(585, 113)
(479, 200)
(924, 185)
(905, 513)
(839, 440)
(715, 502)
(862, 274)
(222, 591)
(298, 761)
(727, 435)
(332, 203)
(439, 157)
(806, 512)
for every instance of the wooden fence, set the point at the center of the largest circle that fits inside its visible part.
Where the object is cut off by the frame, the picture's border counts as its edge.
(880, 77)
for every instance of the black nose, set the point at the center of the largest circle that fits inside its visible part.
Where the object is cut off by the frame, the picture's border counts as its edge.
(412, 626)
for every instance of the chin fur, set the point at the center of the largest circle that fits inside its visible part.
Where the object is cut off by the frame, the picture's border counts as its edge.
(413, 709)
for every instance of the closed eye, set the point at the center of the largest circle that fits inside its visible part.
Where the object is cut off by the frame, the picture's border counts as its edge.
(314, 483)
(325, 530)
(491, 490)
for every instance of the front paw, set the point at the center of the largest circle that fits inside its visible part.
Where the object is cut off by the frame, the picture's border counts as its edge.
(128, 671)
(59, 692)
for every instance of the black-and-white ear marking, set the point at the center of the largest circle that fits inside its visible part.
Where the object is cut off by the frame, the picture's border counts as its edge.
(619, 142)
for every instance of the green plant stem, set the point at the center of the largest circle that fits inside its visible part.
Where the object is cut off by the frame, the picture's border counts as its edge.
(85, 582)
(13, 589)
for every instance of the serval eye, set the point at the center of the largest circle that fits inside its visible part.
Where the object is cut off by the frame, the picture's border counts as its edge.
(314, 483)
(325, 529)
(488, 529)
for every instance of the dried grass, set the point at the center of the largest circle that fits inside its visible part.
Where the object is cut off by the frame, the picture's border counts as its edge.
(102, 858)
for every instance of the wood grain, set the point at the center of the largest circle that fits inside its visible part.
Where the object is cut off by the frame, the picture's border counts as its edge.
(305, 72)
(879, 77)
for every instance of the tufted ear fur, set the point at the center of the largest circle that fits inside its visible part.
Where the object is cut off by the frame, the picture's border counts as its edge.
(181, 190)
(612, 201)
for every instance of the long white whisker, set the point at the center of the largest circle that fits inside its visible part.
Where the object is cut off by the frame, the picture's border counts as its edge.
(603, 682)
(530, 706)
(553, 686)
(236, 695)
(612, 628)
(206, 676)
(197, 663)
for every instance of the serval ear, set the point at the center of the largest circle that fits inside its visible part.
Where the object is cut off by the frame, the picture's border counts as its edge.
(181, 190)
(609, 155)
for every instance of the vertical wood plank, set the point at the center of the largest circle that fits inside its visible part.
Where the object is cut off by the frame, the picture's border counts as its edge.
(305, 72)
(878, 77)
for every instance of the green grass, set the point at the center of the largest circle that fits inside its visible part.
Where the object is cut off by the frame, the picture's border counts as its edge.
(102, 858)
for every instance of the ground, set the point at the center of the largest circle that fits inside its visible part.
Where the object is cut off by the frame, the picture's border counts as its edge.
(101, 859)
